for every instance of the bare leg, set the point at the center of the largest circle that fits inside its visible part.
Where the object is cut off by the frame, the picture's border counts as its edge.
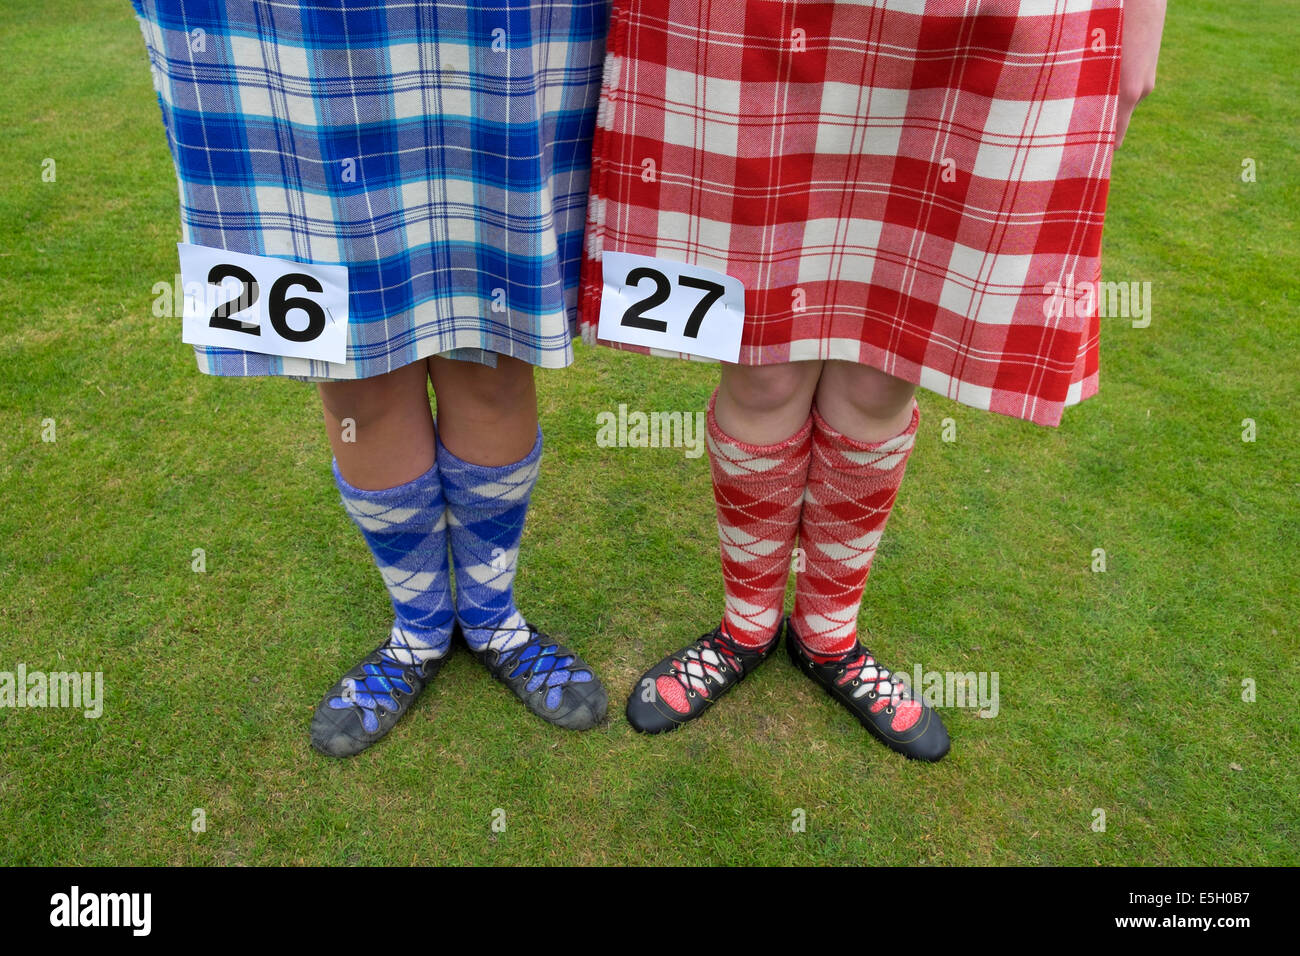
(765, 404)
(390, 422)
(862, 402)
(486, 416)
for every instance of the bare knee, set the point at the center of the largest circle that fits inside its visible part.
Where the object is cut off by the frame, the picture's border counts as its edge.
(864, 391)
(768, 389)
(765, 404)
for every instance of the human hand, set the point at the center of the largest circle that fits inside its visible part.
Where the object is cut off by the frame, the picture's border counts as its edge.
(1144, 23)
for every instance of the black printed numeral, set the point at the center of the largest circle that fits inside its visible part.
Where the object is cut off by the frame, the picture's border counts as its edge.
(663, 288)
(220, 318)
(713, 292)
(278, 306)
(635, 316)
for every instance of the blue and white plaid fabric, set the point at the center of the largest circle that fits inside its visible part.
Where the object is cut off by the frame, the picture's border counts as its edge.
(439, 150)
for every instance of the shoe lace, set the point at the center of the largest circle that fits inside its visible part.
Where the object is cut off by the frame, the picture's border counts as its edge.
(541, 663)
(861, 670)
(377, 689)
(706, 662)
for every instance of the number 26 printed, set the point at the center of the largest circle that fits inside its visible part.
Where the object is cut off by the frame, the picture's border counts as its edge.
(277, 307)
(268, 294)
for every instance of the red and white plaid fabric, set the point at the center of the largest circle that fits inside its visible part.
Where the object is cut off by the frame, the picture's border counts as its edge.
(901, 183)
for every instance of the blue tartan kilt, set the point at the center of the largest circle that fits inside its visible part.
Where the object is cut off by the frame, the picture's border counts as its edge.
(439, 151)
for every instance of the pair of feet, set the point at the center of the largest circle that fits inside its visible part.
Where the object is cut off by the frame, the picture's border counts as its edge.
(684, 685)
(558, 686)
(368, 701)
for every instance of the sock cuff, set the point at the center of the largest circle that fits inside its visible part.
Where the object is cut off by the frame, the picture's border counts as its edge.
(460, 472)
(796, 446)
(892, 445)
(426, 485)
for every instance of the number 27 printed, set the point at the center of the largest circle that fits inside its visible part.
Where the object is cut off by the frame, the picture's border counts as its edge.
(635, 317)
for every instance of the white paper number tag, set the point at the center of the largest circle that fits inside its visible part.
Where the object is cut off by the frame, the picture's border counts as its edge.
(671, 305)
(263, 304)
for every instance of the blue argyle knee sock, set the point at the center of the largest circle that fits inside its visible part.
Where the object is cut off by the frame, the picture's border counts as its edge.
(486, 507)
(406, 528)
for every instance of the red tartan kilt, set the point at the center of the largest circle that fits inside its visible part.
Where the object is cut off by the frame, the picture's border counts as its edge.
(903, 184)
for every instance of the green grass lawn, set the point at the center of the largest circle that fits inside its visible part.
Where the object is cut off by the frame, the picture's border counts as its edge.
(1119, 690)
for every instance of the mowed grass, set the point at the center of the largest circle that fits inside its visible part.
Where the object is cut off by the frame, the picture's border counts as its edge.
(1120, 691)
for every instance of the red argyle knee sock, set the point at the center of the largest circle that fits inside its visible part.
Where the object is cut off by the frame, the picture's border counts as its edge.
(757, 489)
(851, 490)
